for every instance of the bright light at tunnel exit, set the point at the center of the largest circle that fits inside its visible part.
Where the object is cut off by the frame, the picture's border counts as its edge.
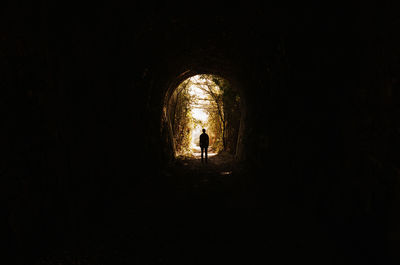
(196, 91)
(197, 112)
(196, 137)
(200, 114)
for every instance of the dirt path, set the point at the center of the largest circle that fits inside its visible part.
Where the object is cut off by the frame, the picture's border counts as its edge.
(218, 183)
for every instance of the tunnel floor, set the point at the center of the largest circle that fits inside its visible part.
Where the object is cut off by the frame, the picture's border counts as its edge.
(206, 218)
(218, 183)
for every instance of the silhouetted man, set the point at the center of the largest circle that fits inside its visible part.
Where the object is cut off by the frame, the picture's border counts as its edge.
(204, 144)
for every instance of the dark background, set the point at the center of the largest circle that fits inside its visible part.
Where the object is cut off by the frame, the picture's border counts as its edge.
(83, 152)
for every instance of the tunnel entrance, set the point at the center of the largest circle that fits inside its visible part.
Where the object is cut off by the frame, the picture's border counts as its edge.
(209, 102)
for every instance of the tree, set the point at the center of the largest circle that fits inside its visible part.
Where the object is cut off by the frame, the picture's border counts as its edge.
(219, 100)
(181, 119)
(226, 104)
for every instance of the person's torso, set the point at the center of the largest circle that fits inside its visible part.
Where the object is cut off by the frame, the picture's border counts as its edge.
(204, 139)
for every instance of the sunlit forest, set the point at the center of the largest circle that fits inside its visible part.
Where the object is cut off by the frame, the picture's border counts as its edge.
(209, 102)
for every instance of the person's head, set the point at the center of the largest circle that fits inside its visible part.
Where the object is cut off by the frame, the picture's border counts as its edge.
(204, 130)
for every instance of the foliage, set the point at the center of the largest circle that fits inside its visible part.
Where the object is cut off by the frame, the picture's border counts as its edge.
(225, 115)
(232, 114)
(181, 118)
(222, 104)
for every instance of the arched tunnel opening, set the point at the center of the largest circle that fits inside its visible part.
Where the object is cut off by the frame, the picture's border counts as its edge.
(103, 106)
(200, 102)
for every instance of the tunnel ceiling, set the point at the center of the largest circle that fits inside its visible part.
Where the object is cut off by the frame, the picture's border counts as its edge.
(210, 41)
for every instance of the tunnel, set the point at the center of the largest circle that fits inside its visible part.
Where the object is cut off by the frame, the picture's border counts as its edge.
(89, 170)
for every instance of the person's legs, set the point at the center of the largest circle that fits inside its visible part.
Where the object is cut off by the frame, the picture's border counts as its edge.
(202, 149)
(205, 150)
